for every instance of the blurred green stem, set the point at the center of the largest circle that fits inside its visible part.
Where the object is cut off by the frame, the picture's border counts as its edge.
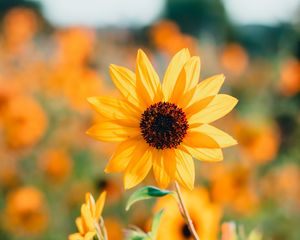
(103, 229)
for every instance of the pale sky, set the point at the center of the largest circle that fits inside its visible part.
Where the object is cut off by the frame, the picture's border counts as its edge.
(143, 12)
(102, 12)
(268, 12)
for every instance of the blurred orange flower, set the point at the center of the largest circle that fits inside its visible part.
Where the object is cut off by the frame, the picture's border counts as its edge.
(80, 85)
(56, 164)
(167, 37)
(9, 171)
(74, 84)
(282, 183)
(6, 94)
(232, 187)
(25, 212)
(19, 26)
(289, 83)
(75, 46)
(114, 229)
(24, 122)
(70, 75)
(204, 214)
(259, 141)
(234, 59)
(20, 58)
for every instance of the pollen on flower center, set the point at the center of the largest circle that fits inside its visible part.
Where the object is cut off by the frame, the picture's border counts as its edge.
(163, 125)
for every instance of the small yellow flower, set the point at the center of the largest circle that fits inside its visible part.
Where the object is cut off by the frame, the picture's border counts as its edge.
(163, 125)
(90, 218)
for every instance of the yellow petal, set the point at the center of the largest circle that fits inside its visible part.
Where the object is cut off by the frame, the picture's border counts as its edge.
(112, 132)
(75, 236)
(79, 225)
(222, 138)
(138, 167)
(100, 204)
(87, 218)
(112, 108)
(90, 202)
(122, 155)
(185, 169)
(204, 154)
(197, 106)
(125, 81)
(206, 88)
(90, 235)
(147, 81)
(164, 166)
(187, 79)
(173, 72)
(197, 139)
(217, 108)
(192, 69)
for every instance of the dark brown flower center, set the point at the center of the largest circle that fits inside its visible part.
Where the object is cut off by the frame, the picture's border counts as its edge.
(185, 231)
(163, 125)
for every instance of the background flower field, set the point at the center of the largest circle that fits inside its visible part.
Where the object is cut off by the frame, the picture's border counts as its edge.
(48, 163)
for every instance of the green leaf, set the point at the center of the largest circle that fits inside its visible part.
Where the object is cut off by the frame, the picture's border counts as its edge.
(146, 193)
(155, 224)
(138, 236)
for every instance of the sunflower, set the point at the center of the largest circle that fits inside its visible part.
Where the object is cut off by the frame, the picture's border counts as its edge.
(162, 126)
(90, 217)
(204, 214)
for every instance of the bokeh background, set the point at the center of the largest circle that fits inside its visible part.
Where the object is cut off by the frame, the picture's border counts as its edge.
(54, 54)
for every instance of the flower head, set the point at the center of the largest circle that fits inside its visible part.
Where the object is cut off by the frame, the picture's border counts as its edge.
(90, 217)
(205, 216)
(162, 125)
(25, 212)
(24, 122)
(56, 164)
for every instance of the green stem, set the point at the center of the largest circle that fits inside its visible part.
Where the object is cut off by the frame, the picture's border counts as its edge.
(103, 229)
(185, 214)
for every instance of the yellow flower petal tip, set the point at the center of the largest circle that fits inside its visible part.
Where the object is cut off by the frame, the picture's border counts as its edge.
(140, 51)
(128, 184)
(91, 212)
(155, 122)
(113, 67)
(91, 100)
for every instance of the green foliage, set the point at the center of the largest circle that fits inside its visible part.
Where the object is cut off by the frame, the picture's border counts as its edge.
(155, 224)
(138, 234)
(147, 192)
